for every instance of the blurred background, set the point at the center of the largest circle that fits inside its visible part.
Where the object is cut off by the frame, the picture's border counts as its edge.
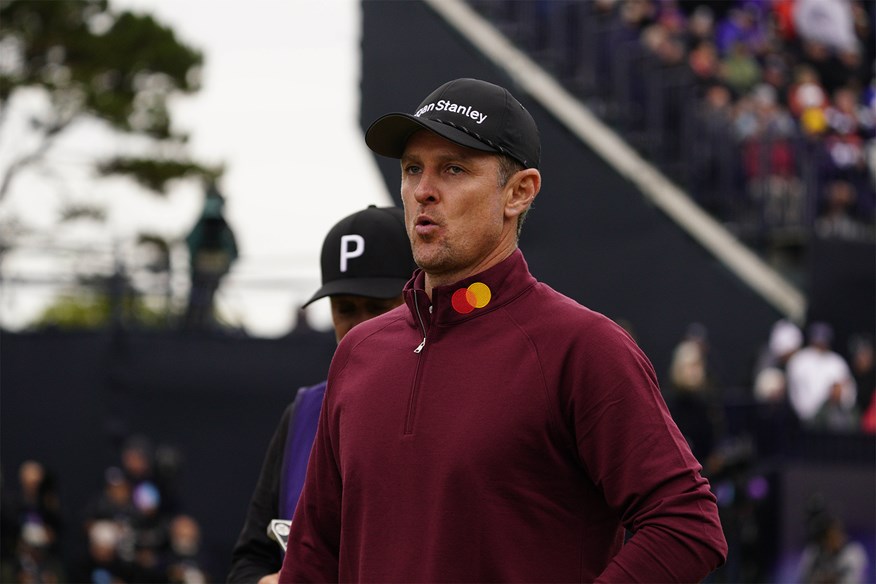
(168, 171)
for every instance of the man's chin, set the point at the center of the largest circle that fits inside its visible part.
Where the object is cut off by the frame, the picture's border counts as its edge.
(429, 262)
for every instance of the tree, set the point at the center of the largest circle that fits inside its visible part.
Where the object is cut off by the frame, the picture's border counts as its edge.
(94, 67)
(91, 62)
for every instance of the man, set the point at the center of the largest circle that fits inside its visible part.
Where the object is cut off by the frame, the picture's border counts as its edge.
(821, 387)
(491, 430)
(365, 260)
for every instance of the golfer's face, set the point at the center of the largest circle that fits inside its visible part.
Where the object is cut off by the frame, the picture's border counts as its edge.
(454, 206)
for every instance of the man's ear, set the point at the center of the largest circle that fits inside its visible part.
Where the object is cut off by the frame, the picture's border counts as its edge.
(523, 186)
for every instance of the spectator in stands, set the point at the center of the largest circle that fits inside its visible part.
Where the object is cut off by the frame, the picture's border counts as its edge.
(365, 261)
(861, 361)
(849, 127)
(102, 563)
(688, 371)
(819, 378)
(776, 74)
(662, 43)
(39, 503)
(184, 562)
(127, 522)
(701, 28)
(150, 532)
(835, 415)
(638, 14)
(829, 40)
(831, 556)
(826, 22)
(769, 162)
(806, 93)
(770, 383)
(114, 502)
(743, 25)
(713, 157)
(33, 528)
(693, 399)
(847, 114)
(740, 70)
(705, 65)
(142, 463)
(837, 218)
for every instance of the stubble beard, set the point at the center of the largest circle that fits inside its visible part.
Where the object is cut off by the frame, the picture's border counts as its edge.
(434, 257)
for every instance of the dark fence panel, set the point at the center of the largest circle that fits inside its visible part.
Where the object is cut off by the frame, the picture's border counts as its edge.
(70, 399)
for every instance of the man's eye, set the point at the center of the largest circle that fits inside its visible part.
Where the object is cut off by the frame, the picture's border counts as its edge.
(412, 169)
(453, 169)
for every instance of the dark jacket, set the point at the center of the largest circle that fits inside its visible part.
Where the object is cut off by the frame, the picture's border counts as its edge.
(279, 485)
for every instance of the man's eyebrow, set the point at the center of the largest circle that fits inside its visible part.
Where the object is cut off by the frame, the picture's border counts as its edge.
(463, 155)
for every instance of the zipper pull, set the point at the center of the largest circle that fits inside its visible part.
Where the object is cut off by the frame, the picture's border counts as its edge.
(420, 347)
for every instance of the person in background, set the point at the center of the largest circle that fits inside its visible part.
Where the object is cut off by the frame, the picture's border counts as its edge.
(184, 562)
(365, 260)
(820, 381)
(492, 429)
(831, 556)
(693, 396)
(770, 385)
(862, 362)
(32, 525)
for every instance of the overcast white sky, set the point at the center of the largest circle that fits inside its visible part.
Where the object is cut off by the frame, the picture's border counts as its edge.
(279, 106)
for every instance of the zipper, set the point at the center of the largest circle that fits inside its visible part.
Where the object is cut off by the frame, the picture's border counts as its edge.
(409, 422)
(422, 326)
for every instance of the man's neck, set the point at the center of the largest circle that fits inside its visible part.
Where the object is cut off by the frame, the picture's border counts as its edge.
(435, 280)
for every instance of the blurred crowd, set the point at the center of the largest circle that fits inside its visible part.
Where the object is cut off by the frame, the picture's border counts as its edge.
(765, 110)
(822, 388)
(793, 80)
(133, 529)
(801, 386)
(797, 376)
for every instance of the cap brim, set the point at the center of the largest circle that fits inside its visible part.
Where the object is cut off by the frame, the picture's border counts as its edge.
(370, 287)
(389, 134)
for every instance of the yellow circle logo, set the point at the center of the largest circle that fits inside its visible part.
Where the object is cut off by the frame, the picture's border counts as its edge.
(465, 300)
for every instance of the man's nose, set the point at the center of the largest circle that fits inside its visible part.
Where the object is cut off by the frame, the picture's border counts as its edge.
(426, 189)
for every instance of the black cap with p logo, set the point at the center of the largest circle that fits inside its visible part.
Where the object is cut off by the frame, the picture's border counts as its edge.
(368, 254)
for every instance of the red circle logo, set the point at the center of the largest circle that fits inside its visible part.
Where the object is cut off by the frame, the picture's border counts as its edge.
(465, 300)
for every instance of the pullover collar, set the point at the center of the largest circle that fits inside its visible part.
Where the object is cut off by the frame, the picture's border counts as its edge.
(470, 297)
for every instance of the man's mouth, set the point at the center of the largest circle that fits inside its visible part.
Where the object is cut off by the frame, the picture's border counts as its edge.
(425, 225)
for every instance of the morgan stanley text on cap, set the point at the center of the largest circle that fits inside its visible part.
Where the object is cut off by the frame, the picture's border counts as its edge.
(366, 254)
(469, 112)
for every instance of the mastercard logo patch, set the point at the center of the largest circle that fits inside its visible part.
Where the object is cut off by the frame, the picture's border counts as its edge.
(465, 300)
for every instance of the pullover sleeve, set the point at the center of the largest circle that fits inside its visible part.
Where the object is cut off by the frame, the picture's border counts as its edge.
(636, 455)
(255, 554)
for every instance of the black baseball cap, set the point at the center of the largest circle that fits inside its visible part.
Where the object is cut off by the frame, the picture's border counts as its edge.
(367, 253)
(469, 112)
